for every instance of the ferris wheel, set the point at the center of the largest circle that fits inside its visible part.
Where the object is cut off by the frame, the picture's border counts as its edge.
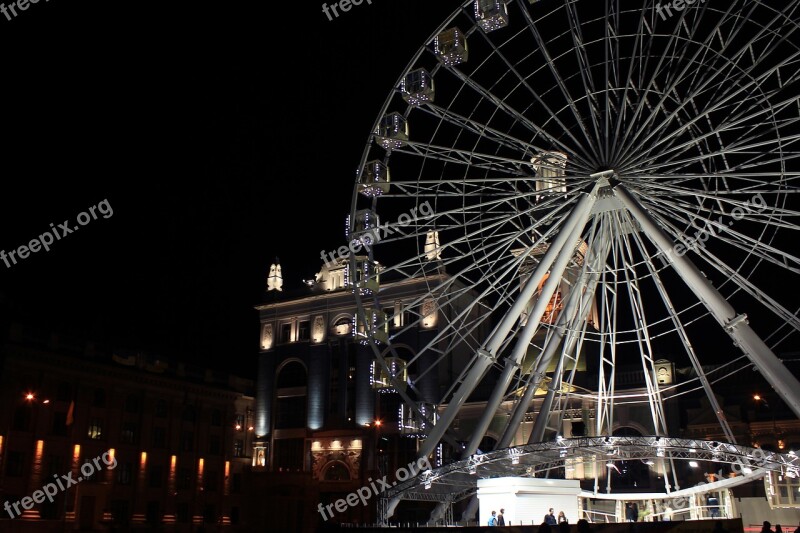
(584, 181)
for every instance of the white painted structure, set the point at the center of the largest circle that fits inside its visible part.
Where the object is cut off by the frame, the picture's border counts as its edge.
(527, 500)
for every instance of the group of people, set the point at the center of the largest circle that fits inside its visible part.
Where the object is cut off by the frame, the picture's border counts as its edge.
(549, 520)
(497, 519)
(767, 528)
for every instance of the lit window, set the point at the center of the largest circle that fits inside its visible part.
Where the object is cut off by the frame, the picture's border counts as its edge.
(95, 429)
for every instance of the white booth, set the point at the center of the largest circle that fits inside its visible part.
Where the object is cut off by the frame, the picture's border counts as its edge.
(527, 500)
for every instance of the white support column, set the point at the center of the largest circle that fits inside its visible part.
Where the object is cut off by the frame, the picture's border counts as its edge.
(523, 340)
(586, 297)
(485, 357)
(783, 382)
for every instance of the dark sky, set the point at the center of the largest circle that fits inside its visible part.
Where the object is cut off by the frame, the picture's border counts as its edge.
(221, 134)
(218, 142)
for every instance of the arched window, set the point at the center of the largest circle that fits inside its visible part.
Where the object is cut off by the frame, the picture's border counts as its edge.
(337, 471)
(627, 431)
(292, 375)
(342, 325)
(291, 401)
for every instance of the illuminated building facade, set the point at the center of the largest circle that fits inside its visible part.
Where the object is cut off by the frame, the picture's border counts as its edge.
(180, 436)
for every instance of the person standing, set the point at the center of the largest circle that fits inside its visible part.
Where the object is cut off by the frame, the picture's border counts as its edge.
(562, 518)
(550, 518)
(493, 519)
(629, 512)
(501, 520)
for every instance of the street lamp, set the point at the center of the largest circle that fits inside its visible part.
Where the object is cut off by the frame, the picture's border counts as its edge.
(758, 398)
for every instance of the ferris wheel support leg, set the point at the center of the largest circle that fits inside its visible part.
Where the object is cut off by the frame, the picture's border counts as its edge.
(533, 384)
(486, 356)
(586, 298)
(538, 372)
(512, 362)
(773, 370)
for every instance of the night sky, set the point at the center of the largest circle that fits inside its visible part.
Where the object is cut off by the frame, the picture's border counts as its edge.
(217, 143)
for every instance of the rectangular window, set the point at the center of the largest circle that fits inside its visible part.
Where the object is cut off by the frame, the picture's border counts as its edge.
(22, 418)
(210, 481)
(290, 413)
(289, 454)
(187, 441)
(240, 422)
(159, 437)
(64, 392)
(95, 430)
(119, 512)
(236, 484)
(93, 470)
(210, 514)
(49, 510)
(182, 510)
(99, 399)
(304, 331)
(189, 413)
(128, 433)
(124, 472)
(59, 424)
(216, 417)
(156, 476)
(153, 516)
(161, 408)
(286, 333)
(184, 478)
(14, 464)
(132, 404)
(55, 466)
(238, 448)
(214, 446)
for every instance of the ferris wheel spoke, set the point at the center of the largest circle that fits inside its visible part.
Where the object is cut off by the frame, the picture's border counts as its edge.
(483, 131)
(745, 244)
(739, 23)
(643, 61)
(584, 67)
(648, 122)
(570, 102)
(728, 97)
(768, 32)
(583, 161)
(696, 90)
(751, 148)
(463, 157)
(732, 275)
(645, 348)
(738, 122)
(685, 341)
(507, 186)
(748, 184)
